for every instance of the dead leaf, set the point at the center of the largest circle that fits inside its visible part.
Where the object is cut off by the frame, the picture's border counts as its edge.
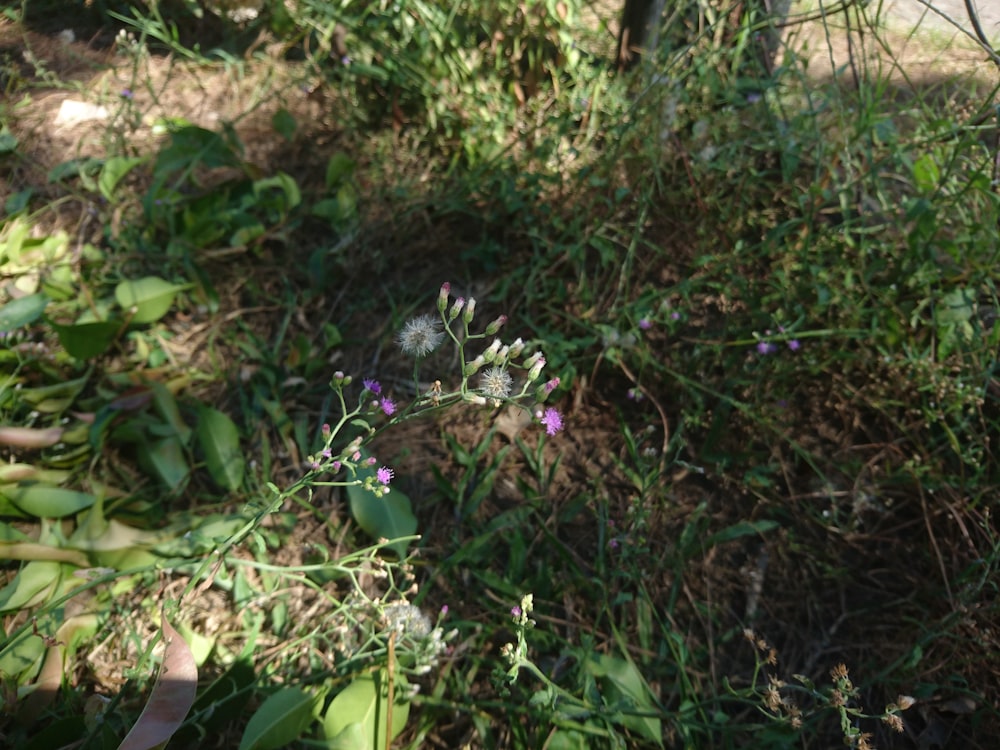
(172, 696)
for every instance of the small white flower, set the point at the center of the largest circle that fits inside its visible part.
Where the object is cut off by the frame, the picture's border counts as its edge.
(495, 383)
(420, 336)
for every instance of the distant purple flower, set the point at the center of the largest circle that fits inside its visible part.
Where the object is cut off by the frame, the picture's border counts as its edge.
(613, 543)
(372, 385)
(552, 385)
(336, 466)
(645, 324)
(675, 315)
(388, 406)
(552, 420)
(126, 93)
(371, 460)
(444, 610)
(794, 345)
(765, 347)
(515, 610)
(384, 475)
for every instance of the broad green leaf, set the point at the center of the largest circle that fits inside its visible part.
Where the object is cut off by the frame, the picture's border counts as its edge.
(151, 297)
(957, 306)
(164, 458)
(280, 720)
(21, 312)
(627, 690)
(359, 712)
(338, 168)
(284, 124)
(220, 442)
(87, 340)
(388, 517)
(22, 659)
(49, 502)
(31, 586)
(172, 697)
(567, 739)
(114, 170)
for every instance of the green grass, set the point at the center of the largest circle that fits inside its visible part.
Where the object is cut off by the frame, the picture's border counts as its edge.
(766, 309)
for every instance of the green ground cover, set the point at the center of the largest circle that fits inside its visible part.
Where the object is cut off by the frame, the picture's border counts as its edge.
(403, 375)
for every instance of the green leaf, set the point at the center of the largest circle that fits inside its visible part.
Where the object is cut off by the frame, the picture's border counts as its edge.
(358, 716)
(21, 312)
(220, 442)
(626, 689)
(280, 720)
(284, 124)
(926, 173)
(87, 340)
(150, 296)
(49, 502)
(390, 516)
(165, 405)
(283, 182)
(114, 170)
(32, 585)
(339, 168)
(165, 458)
(746, 528)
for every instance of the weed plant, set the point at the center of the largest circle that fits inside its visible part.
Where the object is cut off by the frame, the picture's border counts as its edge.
(767, 309)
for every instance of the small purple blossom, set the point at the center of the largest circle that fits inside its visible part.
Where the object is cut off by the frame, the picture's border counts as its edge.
(371, 461)
(336, 466)
(552, 420)
(551, 385)
(645, 324)
(444, 610)
(327, 453)
(356, 456)
(765, 347)
(675, 315)
(384, 475)
(372, 385)
(794, 345)
(388, 406)
(515, 611)
(126, 93)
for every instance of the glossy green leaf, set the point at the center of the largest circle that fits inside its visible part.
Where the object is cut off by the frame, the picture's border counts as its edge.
(21, 312)
(87, 340)
(150, 297)
(359, 713)
(220, 442)
(166, 407)
(388, 517)
(280, 720)
(49, 502)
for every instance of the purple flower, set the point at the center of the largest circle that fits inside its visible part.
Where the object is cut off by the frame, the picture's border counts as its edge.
(372, 385)
(444, 610)
(387, 405)
(551, 385)
(765, 347)
(515, 610)
(675, 315)
(645, 324)
(794, 345)
(552, 420)
(384, 475)
(126, 93)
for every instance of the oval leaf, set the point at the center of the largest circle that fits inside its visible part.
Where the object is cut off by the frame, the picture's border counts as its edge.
(358, 716)
(388, 517)
(21, 312)
(49, 502)
(220, 442)
(280, 720)
(172, 696)
(151, 297)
